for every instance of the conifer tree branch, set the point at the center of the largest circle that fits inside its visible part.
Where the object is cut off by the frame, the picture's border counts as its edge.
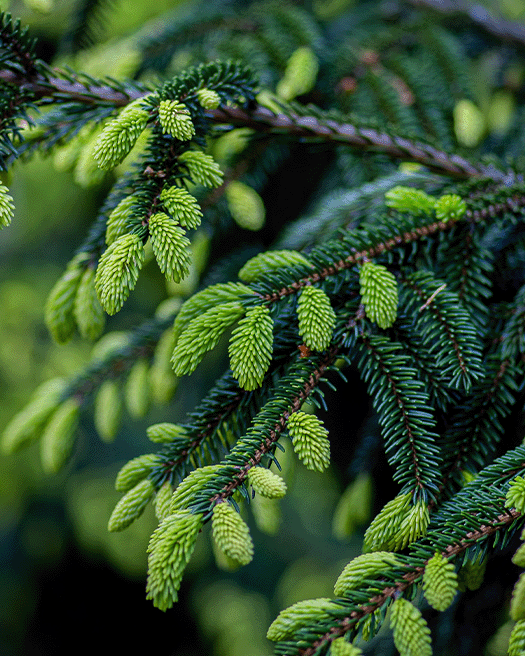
(418, 275)
(485, 531)
(439, 394)
(304, 127)
(442, 321)
(471, 439)
(262, 119)
(176, 466)
(269, 442)
(477, 513)
(320, 365)
(360, 257)
(464, 271)
(419, 461)
(225, 399)
(473, 215)
(71, 90)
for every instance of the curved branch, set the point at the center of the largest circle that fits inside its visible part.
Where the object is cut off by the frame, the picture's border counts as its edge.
(511, 204)
(263, 119)
(56, 88)
(368, 139)
(392, 591)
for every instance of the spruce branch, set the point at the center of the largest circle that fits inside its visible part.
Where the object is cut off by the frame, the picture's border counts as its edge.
(441, 316)
(227, 406)
(475, 425)
(73, 88)
(241, 458)
(317, 129)
(413, 575)
(262, 119)
(415, 269)
(405, 415)
(118, 355)
(203, 424)
(474, 516)
(399, 238)
(268, 444)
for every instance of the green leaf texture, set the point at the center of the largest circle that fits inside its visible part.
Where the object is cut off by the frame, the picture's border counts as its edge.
(309, 439)
(170, 549)
(202, 334)
(250, 348)
(316, 318)
(411, 633)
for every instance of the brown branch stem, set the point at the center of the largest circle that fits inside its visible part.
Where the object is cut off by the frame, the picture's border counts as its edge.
(409, 579)
(263, 119)
(471, 215)
(361, 256)
(56, 88)
(269, 442)
(368, 139)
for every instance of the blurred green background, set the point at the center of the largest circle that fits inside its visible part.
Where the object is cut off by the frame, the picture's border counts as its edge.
(66, 581)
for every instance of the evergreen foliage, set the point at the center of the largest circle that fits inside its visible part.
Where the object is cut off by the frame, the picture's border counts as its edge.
(170, 247)
(310, 441)
(61, 303)
(411, 633)
(245, 205)
(182, 206)
(231, 534)
(337, 216)
(439, 582)
(118, 271)
(131, 505)
(170, 548)
(266, 483)
(27, 425)
(361, 568)
(316, 318)
(472, 574)
(134, 471)
(87, 310)
(250, 348)
(119, 136)
(379, 294)
(293, 618)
